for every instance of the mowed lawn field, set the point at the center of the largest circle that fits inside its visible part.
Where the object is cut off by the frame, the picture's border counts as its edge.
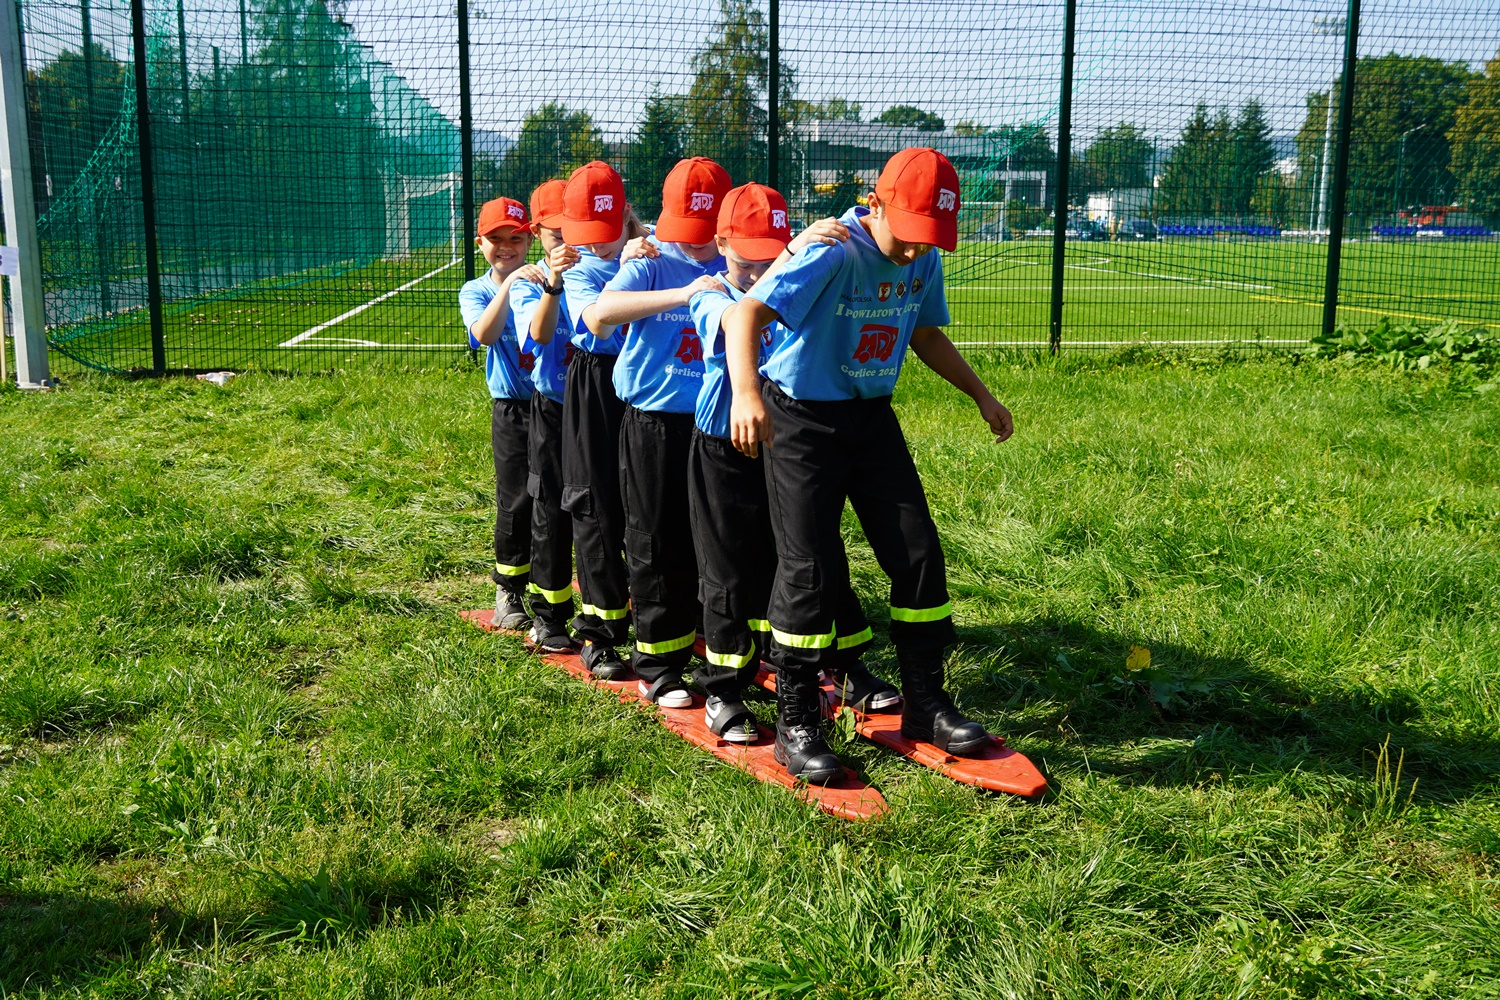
(247, 748)
(1176, 291)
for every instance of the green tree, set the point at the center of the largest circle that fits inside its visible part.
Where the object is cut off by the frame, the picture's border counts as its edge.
(659, 142)
(911, 116)
(58, 93)
(1121, 157)
(1252, 155)
(1192, 183)
(1475, 142)
(554, 142)
(725, 107)
(1399, 149)
(835, 109)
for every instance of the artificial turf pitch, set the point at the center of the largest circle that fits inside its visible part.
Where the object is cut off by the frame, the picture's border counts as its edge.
(247, 748)
(1248, 293)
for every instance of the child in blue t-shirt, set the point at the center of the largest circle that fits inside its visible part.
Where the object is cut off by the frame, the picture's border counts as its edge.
(730, 514)
(847, 314)
(598, 223)
(658, 374)
(504, 238)
(545, 330)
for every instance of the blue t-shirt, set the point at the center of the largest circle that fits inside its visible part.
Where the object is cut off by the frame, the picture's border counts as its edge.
(661, 364)
(714, 399)
(550, 373)
(847, 316)
(506, 369)
(582, 284)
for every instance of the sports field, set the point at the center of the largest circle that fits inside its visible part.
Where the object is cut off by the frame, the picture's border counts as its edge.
(1265, 293)
(247, 749)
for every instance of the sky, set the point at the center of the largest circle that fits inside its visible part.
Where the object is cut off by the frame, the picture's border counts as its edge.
(990, 61)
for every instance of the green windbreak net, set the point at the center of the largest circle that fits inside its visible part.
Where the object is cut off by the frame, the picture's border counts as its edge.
(309, 176)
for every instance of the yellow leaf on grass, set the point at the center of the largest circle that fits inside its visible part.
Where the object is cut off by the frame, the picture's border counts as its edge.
(1139, 658)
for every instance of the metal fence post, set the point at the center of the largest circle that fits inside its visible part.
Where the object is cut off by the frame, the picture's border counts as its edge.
(1341, 170)
(1064, 154)
(148, 186)
(28, 317)
(773, 99)
(466, 136)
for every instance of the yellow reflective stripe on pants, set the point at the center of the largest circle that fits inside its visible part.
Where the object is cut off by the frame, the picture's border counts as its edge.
(936, 614)
(735, 661)
(607, 614)
(505, 570)
(796, 641)
(759, 625)
(845, 641)
(669, 646)
(551, 596)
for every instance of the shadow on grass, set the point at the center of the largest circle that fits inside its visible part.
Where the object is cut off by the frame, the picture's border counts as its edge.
(64, 939)
(1192, 714)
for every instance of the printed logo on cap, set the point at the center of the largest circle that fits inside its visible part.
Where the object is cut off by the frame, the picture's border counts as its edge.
(702, 201)
(876, 342)
(884, 291)
(515, 211)
(604, 203)
(947, 200)
(778, 219)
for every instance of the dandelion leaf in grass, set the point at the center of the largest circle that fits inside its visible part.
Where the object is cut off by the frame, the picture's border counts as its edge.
(1139, 658)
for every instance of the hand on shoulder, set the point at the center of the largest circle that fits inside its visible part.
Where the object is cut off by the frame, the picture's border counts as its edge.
(639, 247)
(824, 231)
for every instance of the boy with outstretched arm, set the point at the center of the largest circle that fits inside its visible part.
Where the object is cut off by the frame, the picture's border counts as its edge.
(544, 328)
(847, 315)
(658, 376)
(504, 237)
(597, 223)
(730, 514)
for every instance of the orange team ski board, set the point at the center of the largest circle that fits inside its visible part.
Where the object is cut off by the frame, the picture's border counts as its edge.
(996, 767)
(848, 797)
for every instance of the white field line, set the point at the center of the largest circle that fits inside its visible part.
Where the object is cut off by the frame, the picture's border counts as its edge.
(314, 331)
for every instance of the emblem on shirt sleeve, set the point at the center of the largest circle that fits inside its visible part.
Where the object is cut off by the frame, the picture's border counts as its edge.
(884, 291)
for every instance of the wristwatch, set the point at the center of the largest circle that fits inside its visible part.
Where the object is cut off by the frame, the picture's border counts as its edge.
(550, 290)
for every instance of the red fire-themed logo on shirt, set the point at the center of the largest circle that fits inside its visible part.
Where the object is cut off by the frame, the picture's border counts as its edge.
(690, 348)
(528, 361)
(876, 342)
(884, 291)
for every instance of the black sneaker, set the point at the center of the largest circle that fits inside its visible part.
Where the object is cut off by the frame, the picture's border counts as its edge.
(510, 610)
(731, 721)
(550, 638)
(604, 662)
(855, 686)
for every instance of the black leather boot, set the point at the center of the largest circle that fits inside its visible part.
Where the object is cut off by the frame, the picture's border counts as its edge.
(800, 746)
(929, 714)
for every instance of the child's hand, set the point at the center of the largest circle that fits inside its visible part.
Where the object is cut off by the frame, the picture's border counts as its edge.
(998, 417)
(639, 247)
(749, 424)
(561, 258)
(702, 283)
(826, 231)
(530, 272)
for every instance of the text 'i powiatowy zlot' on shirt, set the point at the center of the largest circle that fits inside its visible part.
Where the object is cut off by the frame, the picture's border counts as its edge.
(847, 316)
(714, 399)
(661, 365)
(582, 284)
(506, 369)
(550, 373)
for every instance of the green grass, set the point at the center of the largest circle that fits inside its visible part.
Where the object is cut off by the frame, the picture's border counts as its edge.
(248, 749)
(1187, 291)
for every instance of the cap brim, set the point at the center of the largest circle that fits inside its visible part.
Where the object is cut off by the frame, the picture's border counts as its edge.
(685, 229)
(756, 248)
(910, 227)
(551, 221)
(591, 231)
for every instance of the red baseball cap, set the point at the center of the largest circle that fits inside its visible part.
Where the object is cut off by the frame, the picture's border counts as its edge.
(753, 222)
(547, 204)
(593, 205)
(690, 200)
(501, 212)
(919, 189)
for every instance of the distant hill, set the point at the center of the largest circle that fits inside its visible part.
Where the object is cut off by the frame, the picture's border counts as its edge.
(491, 144)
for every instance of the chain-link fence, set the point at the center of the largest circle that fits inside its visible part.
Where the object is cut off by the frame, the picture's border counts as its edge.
(313, 166)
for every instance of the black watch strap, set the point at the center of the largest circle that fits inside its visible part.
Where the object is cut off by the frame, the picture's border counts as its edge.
(551, 290)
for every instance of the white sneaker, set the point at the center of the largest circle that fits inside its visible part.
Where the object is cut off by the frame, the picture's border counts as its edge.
(678, 697)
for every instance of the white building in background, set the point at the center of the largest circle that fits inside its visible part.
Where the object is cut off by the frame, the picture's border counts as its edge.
(1110, 208)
